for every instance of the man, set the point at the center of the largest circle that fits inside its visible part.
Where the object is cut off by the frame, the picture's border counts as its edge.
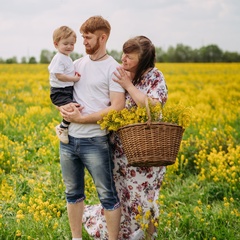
(88, 146)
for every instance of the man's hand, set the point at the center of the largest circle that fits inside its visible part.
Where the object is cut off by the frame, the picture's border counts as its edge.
(71, 112)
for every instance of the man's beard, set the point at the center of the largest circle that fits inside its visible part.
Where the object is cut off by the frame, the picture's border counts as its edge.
(94, 49)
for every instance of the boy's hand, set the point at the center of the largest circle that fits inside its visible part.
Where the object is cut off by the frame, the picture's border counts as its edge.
(76, 77)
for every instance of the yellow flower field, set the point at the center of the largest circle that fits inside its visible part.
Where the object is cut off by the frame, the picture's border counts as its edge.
(200, 195)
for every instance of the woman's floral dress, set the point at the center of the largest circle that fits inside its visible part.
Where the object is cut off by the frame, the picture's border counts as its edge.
(138, 187)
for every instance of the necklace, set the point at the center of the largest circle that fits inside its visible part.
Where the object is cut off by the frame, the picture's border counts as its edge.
(98, 58)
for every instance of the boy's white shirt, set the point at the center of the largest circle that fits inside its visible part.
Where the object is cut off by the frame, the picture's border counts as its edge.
(92, 92)
(60, 64)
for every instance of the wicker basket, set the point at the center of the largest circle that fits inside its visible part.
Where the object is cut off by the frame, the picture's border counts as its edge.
(151, 144)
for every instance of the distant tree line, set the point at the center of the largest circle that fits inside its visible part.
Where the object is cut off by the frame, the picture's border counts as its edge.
(180, 54)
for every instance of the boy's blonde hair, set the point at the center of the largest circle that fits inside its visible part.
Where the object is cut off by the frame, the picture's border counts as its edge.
(63, 32)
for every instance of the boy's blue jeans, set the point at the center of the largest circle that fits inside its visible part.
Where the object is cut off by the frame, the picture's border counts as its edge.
(94, 154)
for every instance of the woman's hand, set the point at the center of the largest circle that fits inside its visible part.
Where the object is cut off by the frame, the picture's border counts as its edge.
(122, 77)
(71, 112)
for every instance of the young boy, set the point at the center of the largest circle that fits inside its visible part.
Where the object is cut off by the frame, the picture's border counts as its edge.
(62, 74)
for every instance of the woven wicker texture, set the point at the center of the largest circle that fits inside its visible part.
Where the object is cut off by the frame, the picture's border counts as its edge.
(147, 145)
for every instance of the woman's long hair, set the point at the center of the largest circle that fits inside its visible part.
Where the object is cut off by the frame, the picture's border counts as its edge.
(146, 51)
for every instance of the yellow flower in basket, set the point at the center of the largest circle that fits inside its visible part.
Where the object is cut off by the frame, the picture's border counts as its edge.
(175, 114)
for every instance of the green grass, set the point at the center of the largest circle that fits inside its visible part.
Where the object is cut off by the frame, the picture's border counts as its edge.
(192, 210)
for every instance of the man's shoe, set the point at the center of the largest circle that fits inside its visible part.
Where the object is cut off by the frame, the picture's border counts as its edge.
(139, 234)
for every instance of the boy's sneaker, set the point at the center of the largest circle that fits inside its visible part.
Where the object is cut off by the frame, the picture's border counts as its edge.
(62, 134)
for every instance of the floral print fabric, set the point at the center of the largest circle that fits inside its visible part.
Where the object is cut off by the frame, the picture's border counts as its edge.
(138, 187)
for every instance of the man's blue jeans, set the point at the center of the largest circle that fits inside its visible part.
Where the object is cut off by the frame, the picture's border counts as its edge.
(95, 154)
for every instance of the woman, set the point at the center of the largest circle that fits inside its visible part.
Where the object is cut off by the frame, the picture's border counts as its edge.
(138, 187)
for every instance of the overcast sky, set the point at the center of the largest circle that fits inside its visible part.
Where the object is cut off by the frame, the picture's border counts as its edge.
(26, 26)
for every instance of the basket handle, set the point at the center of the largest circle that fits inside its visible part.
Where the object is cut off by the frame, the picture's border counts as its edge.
(148, 111)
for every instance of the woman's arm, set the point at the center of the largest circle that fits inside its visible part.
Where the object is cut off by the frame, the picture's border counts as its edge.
(123, 78)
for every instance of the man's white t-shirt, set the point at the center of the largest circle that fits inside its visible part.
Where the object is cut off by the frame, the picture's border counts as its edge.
(60, 64)
(93, 91)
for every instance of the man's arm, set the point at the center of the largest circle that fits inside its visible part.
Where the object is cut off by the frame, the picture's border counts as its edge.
(117, 103)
